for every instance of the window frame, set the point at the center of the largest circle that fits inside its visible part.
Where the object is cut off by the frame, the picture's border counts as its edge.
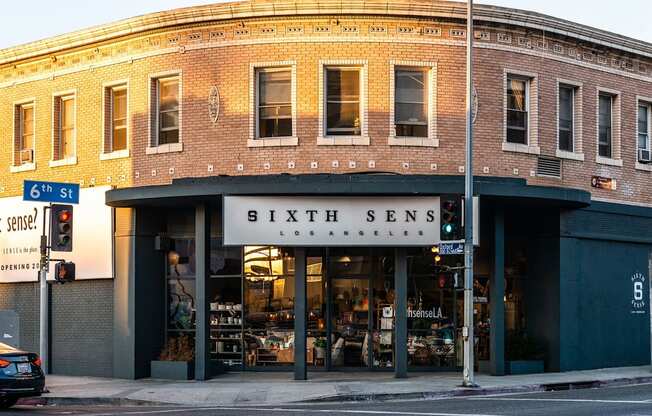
(571, 129)
(18, 106)
(615, 158)
(526, 86)
(254, 139)
(109, 87)
(154, 81)
(430, 78)
(531, 96)
(646, 101)
(57, 121)
(323, 139)
(578, 123)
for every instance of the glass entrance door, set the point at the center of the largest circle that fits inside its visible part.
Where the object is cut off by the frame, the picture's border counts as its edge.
(350, 322)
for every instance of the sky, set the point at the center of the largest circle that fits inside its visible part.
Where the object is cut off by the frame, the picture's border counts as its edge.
(39, 19)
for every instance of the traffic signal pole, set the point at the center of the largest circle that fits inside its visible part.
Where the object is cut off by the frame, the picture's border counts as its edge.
(467, 330)
(45, 298)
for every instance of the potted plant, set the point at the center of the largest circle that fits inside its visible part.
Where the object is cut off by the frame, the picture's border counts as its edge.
(524, 354)
(176, 361)
(320, 348)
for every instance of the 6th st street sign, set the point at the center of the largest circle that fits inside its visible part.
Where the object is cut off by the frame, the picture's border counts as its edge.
(39, 191)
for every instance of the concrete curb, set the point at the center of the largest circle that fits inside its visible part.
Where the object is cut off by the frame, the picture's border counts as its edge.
(363, 397)
(90, 401)
(468, 392)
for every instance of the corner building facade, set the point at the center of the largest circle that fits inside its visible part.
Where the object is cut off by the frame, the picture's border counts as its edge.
(276, 172)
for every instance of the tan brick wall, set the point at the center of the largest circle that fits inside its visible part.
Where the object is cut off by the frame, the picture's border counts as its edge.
(224, 144)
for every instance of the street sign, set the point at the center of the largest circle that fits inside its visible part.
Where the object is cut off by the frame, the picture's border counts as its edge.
(451, 248)
(51, 192)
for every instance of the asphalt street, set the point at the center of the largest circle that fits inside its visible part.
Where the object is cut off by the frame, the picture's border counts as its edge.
(612, 401)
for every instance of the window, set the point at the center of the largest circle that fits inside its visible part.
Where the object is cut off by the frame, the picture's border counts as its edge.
(566, 112)
(517, 110)
(644, 110)
(605, 125)
(274, 103)
(168, 111)
(64, 128)
(410, 101)
(115, 134)
(24, 134)
(343, 102)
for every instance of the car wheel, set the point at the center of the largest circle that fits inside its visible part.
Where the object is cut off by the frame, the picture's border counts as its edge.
(7, 402)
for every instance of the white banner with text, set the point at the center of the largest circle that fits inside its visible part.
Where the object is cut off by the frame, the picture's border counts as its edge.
(21, 225)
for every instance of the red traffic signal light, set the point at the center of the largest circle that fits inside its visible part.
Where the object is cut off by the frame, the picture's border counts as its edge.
(61, 227)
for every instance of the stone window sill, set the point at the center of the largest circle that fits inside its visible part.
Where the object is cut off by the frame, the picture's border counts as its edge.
(609, 161)
(563, 154)
(647, 167)
(412, 141)
(25, 167)
(273, 142)
(63, 162)
(164, 148)
(521, 148)
(343, 141)
(118, 154)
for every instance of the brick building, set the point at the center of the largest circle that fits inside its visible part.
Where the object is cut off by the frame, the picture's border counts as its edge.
(349, 108)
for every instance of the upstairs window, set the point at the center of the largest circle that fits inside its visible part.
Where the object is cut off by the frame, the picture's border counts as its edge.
(274, 102)
(605, 122)
(343, 101)
(166, 111)
(644, 110)
(64, 128)
(566, 112)
(517, 110)
(410, 101)
(115, 116)
(24, 134)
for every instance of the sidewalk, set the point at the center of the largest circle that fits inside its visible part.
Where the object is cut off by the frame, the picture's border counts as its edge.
(278, 388)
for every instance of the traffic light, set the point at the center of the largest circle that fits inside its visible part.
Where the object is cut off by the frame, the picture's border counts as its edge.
(451, 217)
(61, 228)
(64, 272)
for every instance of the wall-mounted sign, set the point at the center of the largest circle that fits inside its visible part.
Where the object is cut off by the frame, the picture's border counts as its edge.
(21, 225)
(601, 182)
(214, 104)
(638, 293)
(331, 221)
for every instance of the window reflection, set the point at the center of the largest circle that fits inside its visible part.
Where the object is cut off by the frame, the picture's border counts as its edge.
(269, 306)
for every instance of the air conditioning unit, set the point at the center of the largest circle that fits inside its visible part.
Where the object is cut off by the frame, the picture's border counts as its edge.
(26, 156)
(644, 155)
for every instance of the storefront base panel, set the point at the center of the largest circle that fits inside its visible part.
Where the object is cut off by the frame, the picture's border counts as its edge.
(81, 335)
(22, 301)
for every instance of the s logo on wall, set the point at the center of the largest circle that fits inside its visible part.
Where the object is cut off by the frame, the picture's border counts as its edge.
(638, 296)
(21, 225)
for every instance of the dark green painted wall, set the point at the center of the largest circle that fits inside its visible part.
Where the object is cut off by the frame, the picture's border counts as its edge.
(601, 248)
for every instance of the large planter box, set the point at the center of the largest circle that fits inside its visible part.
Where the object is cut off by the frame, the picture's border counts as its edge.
(525, 367)
(173, 370)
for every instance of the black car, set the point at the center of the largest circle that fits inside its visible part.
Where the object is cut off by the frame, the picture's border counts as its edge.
(20, 375)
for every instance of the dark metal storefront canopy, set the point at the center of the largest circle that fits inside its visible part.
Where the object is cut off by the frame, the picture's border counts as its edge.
(372, 184)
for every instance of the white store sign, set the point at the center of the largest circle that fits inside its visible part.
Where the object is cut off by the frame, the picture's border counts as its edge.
(21, 226)
(331, 221)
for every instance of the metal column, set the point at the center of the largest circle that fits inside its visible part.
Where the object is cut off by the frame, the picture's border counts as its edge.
(400, 315)
(202, 256)
(300, 324)
(497, 312)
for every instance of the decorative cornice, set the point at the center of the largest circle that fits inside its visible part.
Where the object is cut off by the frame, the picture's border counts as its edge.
(276, 8)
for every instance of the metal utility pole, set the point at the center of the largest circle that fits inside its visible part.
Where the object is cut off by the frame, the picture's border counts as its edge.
(44, 301)
(467, 330)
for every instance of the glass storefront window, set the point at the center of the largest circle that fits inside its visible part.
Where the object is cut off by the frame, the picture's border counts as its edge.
(384, 312)
(181, 285)
(433, 338)
(268, 306)
(316, 307)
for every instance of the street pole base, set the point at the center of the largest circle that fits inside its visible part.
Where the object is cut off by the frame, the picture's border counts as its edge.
(469, 385)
